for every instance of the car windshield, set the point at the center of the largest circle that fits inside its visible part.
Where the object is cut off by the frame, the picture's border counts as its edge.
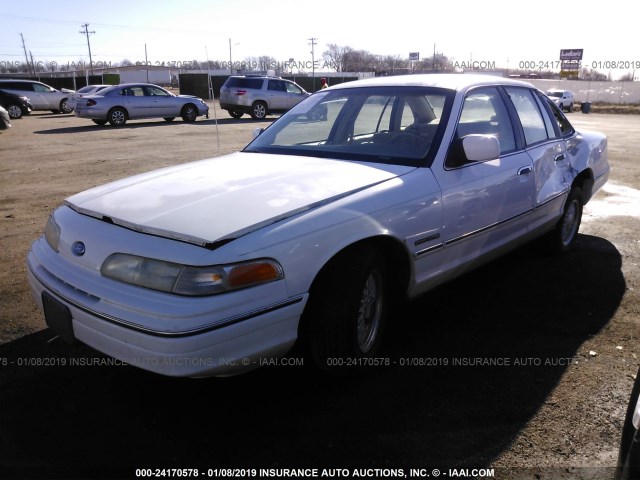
(555, 94)
(397, 125)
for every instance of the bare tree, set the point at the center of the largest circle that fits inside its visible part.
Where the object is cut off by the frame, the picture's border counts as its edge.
(337, 56)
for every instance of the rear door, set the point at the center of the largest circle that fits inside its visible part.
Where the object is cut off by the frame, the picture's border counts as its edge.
(546, 147)
(137, 103)
(277, 95)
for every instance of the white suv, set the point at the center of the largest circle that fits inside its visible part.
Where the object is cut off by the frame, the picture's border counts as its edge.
(40, 95)
(562, 98)
(259, 95)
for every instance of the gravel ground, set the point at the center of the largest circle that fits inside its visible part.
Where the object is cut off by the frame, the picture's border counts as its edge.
(560, 334)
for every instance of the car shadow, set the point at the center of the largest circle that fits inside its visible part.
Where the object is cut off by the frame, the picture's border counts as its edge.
(449, 392)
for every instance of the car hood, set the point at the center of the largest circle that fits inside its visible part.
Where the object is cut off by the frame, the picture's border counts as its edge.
(211, 202)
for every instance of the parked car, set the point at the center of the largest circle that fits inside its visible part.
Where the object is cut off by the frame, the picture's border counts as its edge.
(315, 228)
(133, 101)
(5, 121)
(562, 98)
(40, 95)
(83, 92)
(16, 105)
(629, 454)
(259, 96)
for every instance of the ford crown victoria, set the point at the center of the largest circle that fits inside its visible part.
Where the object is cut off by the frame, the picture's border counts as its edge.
(312, 231)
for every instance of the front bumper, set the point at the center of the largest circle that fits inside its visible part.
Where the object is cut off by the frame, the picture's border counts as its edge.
(230, 346)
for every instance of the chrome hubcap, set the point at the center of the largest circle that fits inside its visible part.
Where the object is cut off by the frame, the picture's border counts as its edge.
(14, 111)
(117, 117)
(369, 312)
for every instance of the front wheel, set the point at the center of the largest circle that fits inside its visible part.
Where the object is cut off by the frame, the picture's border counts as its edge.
(14, 111)
(563, 236)
(347, 310)
(64, 108)
(259, 111)
(189, 113)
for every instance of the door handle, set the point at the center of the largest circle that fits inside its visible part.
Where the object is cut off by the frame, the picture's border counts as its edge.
(559, 158)
(525, 170)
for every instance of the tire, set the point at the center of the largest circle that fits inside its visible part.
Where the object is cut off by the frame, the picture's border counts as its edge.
(236, 113)
(64, 108)
(345, 317)
(99, 122)
(169, 119)
(15, 111)
(563, 236)
(570, 109)
(189, 113)
(259, 110)
(117, 116)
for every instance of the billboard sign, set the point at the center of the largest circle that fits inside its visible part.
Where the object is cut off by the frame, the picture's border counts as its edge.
(571, 54)
(414, 56)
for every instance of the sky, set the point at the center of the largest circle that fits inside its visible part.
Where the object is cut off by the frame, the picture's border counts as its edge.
(501, 33)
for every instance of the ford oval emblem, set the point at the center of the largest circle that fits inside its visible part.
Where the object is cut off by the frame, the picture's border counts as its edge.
(78, 249)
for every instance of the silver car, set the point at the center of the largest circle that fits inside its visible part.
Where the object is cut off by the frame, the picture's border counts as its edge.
(132, 101)
(40, 95)
(259, 95)
(83, 92)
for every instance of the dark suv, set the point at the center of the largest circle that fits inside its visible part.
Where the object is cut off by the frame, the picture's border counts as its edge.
(16, 105)
(259, 95)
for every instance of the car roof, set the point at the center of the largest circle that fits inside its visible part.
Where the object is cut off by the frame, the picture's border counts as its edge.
(22, 80)
(452, 81)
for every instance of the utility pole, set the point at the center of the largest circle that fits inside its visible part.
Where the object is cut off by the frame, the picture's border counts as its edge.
(26, 57)
(313, 61)
(87, 32)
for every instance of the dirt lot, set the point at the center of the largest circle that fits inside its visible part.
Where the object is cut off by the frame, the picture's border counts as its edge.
(565, 327)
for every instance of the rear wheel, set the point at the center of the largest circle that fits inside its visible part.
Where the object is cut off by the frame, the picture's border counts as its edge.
(562, 238)
(189, 113)
(14, 111)
(236, 113)
(99, 122)
(169, 119)
(259, 111)
(345, 317)
(117, 116)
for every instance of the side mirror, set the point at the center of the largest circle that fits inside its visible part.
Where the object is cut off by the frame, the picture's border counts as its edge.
(255, 133)
(481, 148)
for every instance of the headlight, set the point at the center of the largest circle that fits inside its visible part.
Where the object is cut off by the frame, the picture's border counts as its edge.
(52, 233)
(187, 280)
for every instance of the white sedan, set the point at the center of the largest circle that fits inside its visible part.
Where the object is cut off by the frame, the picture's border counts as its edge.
(314, 229)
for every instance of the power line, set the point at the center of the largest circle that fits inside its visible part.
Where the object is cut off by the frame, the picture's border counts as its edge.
(87, 32)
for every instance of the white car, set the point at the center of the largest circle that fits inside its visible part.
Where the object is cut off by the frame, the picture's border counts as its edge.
(314, 229)
(72, 101)
(40, 95)
(131, 101)
(562, 98)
